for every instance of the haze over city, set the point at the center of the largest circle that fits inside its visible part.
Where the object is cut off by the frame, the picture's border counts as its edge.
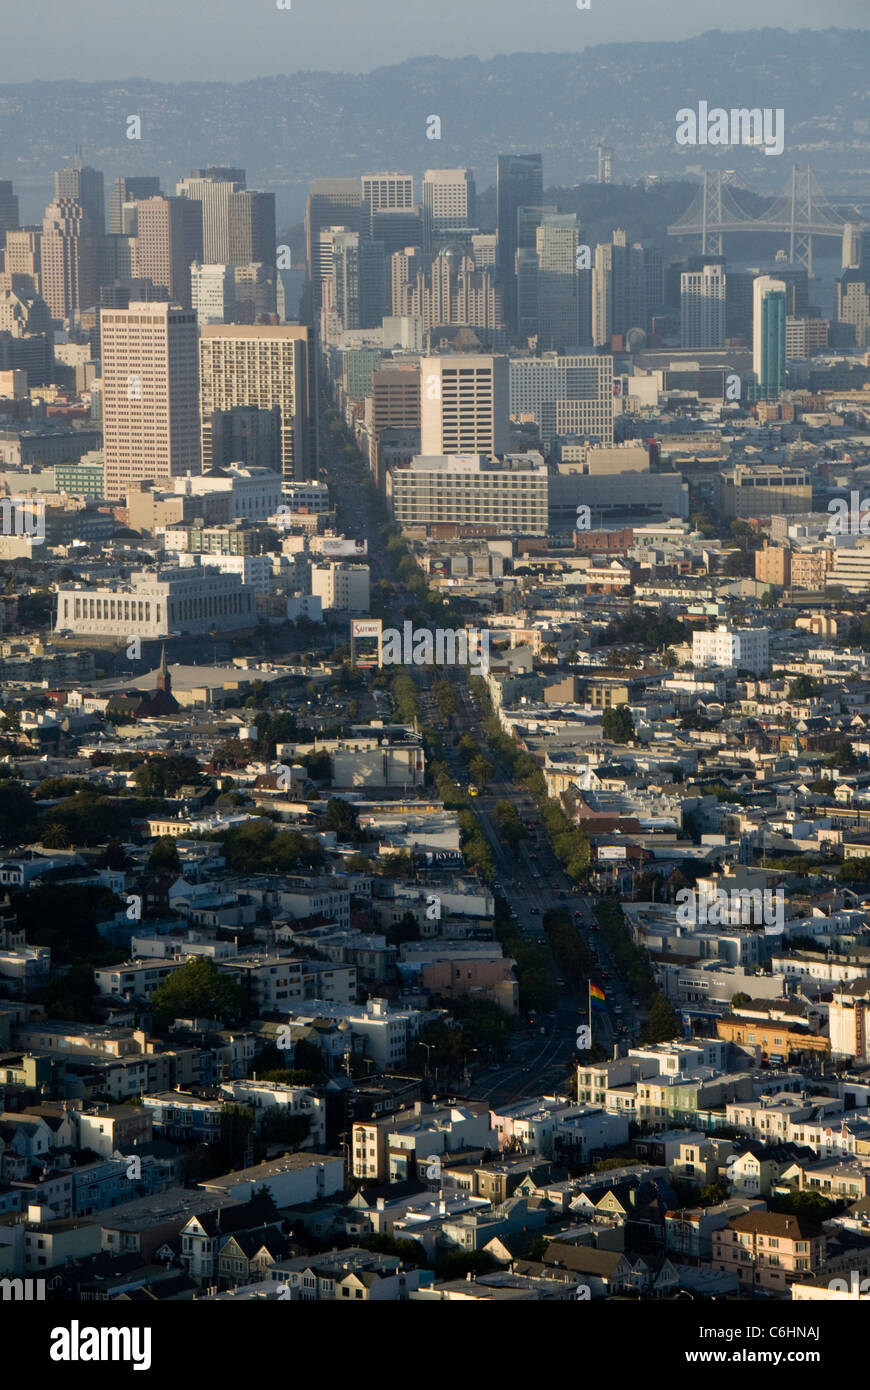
(434, 677)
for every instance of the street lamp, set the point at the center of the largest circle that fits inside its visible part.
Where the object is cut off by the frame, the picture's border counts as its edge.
(428, 1047)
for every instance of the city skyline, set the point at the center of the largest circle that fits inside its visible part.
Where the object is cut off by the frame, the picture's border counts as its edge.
(435, 673)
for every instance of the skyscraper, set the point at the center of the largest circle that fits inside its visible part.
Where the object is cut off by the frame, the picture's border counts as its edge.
(548, 299)
(23, 253)
(519, 183)
(619, 288)
(464, 404)
(70, 258)
(397, 228)
(702, 307)
(385, 193)
(212, 293)
(8, 209)
(130, 190)
(262, 367)
(86, 186)
(169, 239)
(448, 202)
(853, 303)
(405, 265)
(358, 280)
(331, 203)
(251, 227)
(150, 400)
(565, 394)
(769, 310)
(213, 188)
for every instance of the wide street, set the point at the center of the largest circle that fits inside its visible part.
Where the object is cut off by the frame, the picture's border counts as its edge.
(530, 880)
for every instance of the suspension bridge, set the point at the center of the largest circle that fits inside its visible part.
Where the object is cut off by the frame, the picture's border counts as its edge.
(800, 210)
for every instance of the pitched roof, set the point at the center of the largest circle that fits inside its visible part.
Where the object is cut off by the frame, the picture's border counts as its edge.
(775, 1223)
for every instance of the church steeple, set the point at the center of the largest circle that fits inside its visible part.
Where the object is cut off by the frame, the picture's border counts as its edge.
(164, 680)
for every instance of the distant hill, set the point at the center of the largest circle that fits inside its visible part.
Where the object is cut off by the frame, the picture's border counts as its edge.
(288, 130)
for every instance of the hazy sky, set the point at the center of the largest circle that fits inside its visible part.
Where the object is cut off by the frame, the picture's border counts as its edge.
(178, 40)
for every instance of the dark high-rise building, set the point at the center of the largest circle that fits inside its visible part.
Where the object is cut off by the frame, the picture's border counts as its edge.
(8, 209)
(520, 183)
(245, 434)
(331, 203)
(397, 228)
(251, 228)
(358, 280)
(131, 190)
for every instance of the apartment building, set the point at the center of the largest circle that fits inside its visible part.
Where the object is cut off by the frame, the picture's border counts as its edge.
(509, 494)
(742, 647)
(341, 587)
(262, 368)
(564, 395)
(766, 1248)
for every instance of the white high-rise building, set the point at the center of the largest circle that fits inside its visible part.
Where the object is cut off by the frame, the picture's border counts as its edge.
(464, 404)
(602, 295)
(342, 586)
(448, 201)
(387, 192)
(769, 313)
(702, 307)
(214, 188)
(511, 494)
(213, 293)
(565, 394)
(746, 648)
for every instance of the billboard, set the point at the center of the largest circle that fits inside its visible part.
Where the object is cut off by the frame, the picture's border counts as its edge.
(365, 642)
(343, 546)
(612, 852)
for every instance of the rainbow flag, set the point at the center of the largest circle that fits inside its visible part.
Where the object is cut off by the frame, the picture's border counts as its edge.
(596, 996)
